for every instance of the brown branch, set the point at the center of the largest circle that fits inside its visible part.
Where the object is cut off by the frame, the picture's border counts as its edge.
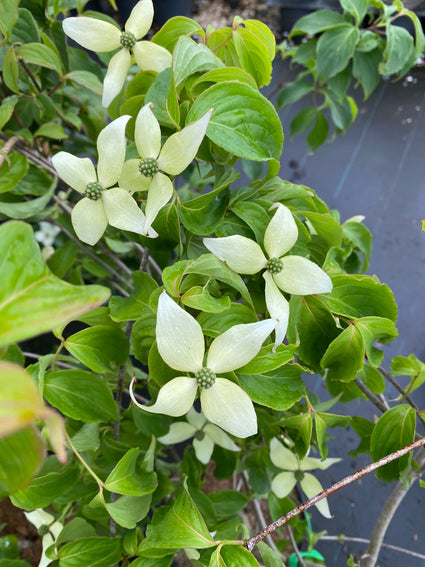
(376, 400)
(6, 149)
(252, 542)
(30, 75)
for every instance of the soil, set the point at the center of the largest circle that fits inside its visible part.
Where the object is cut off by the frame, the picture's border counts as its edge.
(29, 541)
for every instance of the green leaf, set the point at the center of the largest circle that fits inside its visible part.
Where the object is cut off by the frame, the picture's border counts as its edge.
(10, 70)
(357, 8)
(93, 551)
(360, 296)
(293, 92)
(158, 95)
(318, 134)
(279, 392)
(8, 17)
(364, 428)
(302, 428)
(180, 526)
(303, 120)
(130, 308)
(26, 29)
(210, 265)
(375, 329)
(39, 54)
(80, 395)
(394, 430)
(87, 80)
(324, 420)
(173, 29)
(51, 130)
(127, 478)
(143, 334)
(409, 366)
(203, 215)
(101, 348)
(43, 490)
(220, 75)
(22, 454)
(228, 502)
(326, 226)
(243, 121)
(190, 57)
(27, 208)
(365, 69)
(344, 356)
(232, 556)
(6, 109)
(331, 59)
(75, 529)
(270, 558)
(12, 171)
(214, 324)
(399, 51)
(361, 237)
(32, 300)
(199, 298)
(318, 21)
(253, 55)
(268, 359)
(128, 511)
(254, 215)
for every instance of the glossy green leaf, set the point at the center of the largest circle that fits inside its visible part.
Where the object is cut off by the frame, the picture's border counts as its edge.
(26, 209)
(376, 329)
(51, 130)
(76, 529)
(199, 298)
(253, 55)
(220, 75)
(270, 558)
(101, 348)
(128, 511)
(293, 92)
(317, 21)
(39, 54)
(409, 366)
(365, 69)
(22, 454)
(12, 171)
(399, 51)
(394, 430)
(318, 134)
(93, 551)
(268, 359)
(8, 17)
(26, 29)
(214, 324)
(32, 300)
(232, 556)
(130, 308)
(80, 395)
(243, 121)
(303, 120)
(10, 70)
(143, 334)
(280, 391)
(344, 356)
(180, 526)
(357, 8)
(190, 57)
(6, 109)
(43, 490)
(331, 61)
(254, 215)
(173, 29)
(86, 79)
(127, 477)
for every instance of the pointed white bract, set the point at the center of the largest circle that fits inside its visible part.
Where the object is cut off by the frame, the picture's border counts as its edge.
(211, 435)
(177, 153)
(39, 518)
(291, 274)
(98, 35)
(102, 203)
(180, 343)
(295, 468)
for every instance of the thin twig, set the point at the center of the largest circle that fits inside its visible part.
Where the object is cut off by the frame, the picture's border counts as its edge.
(399, 388)
(381, 404)
(343, 539)
(252, 542)
(151, 261)
(30, 75)
(6, 149)
(58, 362)
(295, 546)
(116, 260)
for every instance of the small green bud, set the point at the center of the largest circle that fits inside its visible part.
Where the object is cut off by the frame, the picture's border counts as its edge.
(299, 475)
(127, 39)
(274, 265)
(93, 190)
(148, 167)
(199, 435)
(205, 378)
(43, 530)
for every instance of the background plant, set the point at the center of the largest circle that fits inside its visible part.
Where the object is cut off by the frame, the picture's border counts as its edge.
(123, 495)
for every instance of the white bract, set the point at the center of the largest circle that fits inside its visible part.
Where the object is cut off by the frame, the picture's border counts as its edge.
(101, 205)
(292, 274)
(176, 154)
(47, 528)
(206, 436)
(98, 35)
(295, 468)
(180, 342)
(47, 233)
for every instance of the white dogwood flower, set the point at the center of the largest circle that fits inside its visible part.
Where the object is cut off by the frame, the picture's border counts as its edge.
(292, 274)
(101, 205)
(98, 35)
(180, 342)
(47, 528)
(176, 154)
(294, 471)
(206, 436)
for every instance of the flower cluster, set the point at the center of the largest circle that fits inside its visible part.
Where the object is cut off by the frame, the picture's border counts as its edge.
(180, 342)
(291, 274)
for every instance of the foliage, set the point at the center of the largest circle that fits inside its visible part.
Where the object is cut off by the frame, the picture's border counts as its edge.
(169, 280)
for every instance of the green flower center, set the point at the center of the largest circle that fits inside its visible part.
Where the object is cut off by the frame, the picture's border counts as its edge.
(199, 435)
(299, 475)
(43, 530)
(205, 378)
(93, 190)
(274, 265)
(148, 166)
(127, 39)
